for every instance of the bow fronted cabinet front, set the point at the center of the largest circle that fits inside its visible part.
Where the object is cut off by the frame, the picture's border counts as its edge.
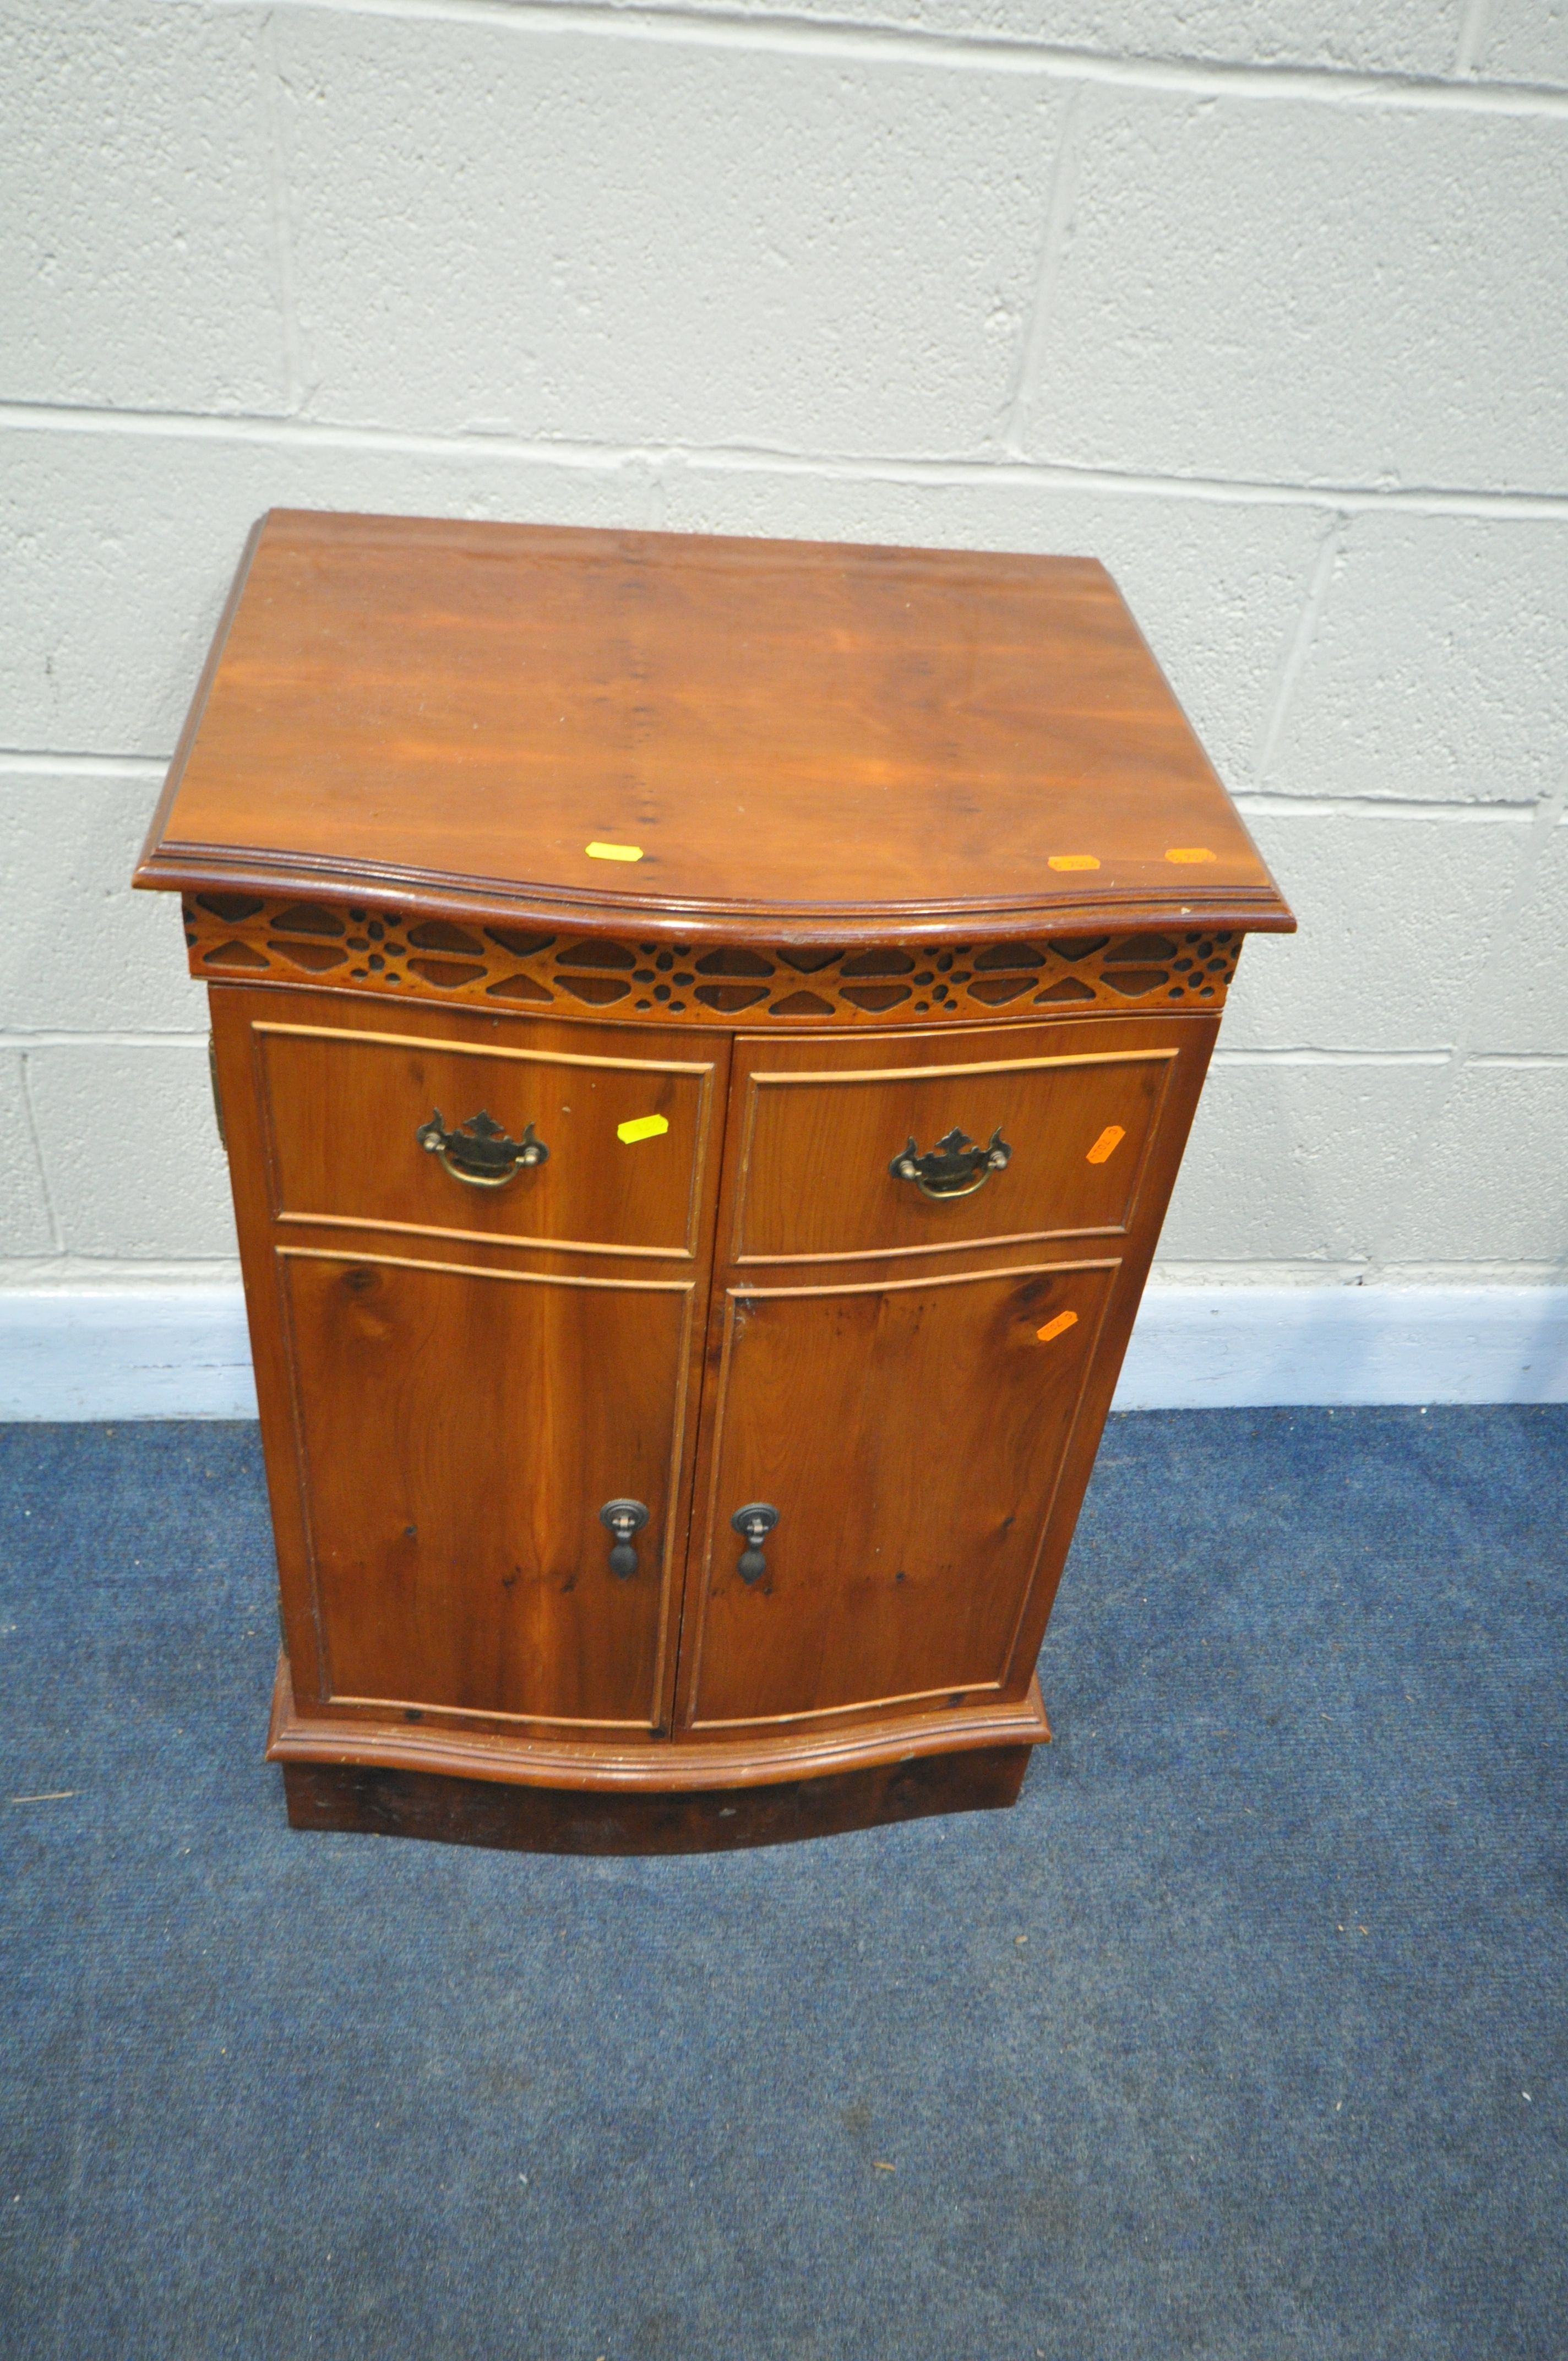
(707, 1030)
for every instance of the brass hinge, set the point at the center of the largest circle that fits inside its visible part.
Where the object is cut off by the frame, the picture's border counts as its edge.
(217, 1094)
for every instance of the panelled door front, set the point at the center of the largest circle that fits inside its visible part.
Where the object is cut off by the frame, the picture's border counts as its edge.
(932, 1246)
(459, 1433)
(482, 1250)
(910, 1434)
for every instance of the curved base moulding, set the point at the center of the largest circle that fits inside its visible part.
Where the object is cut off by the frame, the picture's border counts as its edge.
(363, 1801)
(464, 1787)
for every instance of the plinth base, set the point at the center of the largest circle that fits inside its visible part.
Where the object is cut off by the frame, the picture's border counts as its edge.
(465, 1786)
(370, 1801)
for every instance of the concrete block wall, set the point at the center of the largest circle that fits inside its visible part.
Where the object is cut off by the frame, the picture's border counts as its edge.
(1264, 306)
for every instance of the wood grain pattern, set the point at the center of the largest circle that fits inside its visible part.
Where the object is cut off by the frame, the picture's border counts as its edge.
(458, 1433)
(375, 1346)
(514, 1387)
(345, 1105)
(982, 1425)
(363, 1800)
(796, 734)
(618, 1765)
(895, 813)
(899, 1580)
(815, 1143)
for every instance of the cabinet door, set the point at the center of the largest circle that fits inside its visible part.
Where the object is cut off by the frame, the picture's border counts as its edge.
(458, 1431)
(912, 1435)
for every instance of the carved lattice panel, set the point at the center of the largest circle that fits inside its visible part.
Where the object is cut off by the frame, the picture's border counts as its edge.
(366, 948)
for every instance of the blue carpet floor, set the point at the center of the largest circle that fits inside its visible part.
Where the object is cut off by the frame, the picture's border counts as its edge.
(1241, 2038)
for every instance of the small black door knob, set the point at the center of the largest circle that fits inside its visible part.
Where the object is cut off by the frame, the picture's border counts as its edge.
(624, 1518)
(756, 1521)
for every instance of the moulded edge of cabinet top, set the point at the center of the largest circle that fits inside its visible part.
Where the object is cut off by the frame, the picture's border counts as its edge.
(674, 732)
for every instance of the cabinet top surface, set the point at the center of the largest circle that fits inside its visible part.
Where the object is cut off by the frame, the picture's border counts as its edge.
(801, 738)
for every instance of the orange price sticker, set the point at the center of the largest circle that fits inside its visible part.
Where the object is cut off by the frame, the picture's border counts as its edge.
(1056, 1327)
(1074, 861)
(1190, 852)
(1109, 1139)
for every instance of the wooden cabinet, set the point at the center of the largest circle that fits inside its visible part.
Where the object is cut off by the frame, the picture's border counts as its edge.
(447, 1524)
(706, 1032)
(916, 1429)
(457, 1377)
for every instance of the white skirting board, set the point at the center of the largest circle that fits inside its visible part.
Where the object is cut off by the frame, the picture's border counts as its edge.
(181, 1351)
(1224, 1347)
(125, 1351)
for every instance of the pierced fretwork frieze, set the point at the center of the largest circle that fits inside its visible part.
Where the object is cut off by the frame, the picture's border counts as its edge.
(244, 938)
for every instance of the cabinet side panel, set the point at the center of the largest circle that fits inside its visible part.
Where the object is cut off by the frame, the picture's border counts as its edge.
(1198, 1038)
(239, 1088)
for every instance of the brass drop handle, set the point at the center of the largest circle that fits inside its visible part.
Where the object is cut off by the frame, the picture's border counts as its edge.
(479, 1151)
(756, 1521)
(956, 1166)
(624, 1518)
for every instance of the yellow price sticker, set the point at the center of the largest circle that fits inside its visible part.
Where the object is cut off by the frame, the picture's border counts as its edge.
(642, 1126)
(615, 851)
(1071, 861)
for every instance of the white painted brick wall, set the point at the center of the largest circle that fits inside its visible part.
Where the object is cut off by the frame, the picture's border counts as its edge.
(24, 1203)
(1435, 665)
(129, 1150)
(1415, 37)
(1523, 41)
(1523, 1005)
(1299, 291)
(137, 267)
(81, 952)
(1262, 304)
(627, 240)
(1398, 918)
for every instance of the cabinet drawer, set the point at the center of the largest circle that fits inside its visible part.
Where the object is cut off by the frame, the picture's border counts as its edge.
(1077, 1107)
(345, 1107)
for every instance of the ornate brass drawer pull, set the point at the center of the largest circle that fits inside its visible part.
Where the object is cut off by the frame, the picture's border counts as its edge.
(624, 1518)
(479, 1151)
(756, 1521)
(956, 1166)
